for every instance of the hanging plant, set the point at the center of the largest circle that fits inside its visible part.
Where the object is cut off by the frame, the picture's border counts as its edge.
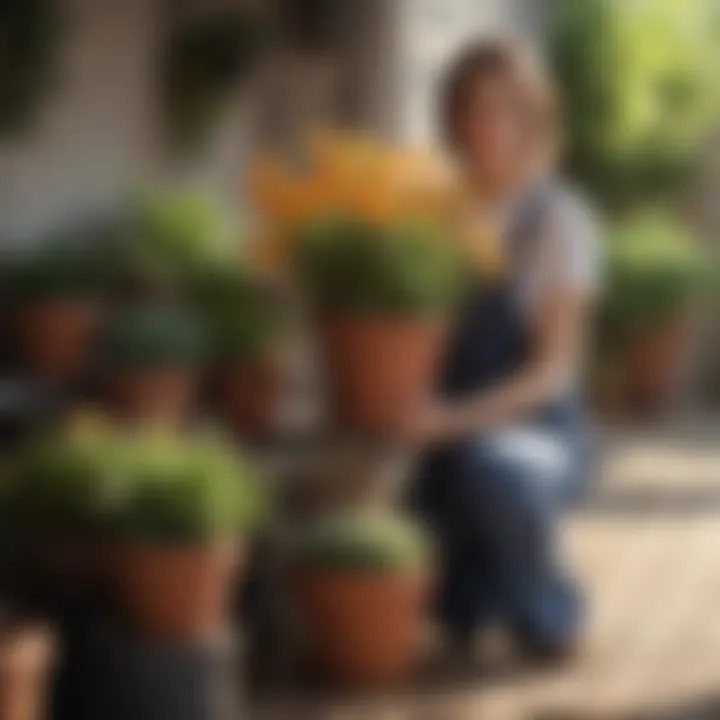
(203, 62)
(30, 32)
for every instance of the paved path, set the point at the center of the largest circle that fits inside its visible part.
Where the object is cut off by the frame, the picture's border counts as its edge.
(648, 548)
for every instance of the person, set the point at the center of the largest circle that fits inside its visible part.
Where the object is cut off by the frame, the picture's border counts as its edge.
(507, 443)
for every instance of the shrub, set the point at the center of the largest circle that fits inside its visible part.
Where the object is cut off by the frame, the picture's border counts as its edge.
(655, 269)
(362, 540)
(640, 89)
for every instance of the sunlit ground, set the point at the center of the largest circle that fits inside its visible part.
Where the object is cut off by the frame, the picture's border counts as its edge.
(647, 547)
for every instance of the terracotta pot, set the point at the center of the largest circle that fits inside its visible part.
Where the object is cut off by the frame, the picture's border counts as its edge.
(249, 395)
(55, 335)
(177, 592)
(156, 393)
(379, 369)
(364, 625)
(644, 374)
(25, 660)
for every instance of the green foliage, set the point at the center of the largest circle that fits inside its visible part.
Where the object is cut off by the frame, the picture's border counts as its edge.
(363, 540)
(351, 265)
(64, 480)
(68, 263)
(154, 336)
(172, 234)
(186, 489)
(640, 87)
(145, 484)
(30, 34)
(242, 315)
(655, 269)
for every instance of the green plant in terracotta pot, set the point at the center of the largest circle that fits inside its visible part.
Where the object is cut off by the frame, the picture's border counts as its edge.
(56, 293)
(153, 357)
(656, 279)
(188, 503)
(244, 318)
(364, 578)
(382, 294)
(62, 493)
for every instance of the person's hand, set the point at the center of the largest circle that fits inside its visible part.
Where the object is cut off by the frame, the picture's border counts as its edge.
(434, 423)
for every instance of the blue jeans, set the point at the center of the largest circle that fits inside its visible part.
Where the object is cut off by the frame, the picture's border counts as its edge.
(497, 523)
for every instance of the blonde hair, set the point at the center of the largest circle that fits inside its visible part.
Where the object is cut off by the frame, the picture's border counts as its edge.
(535, 89)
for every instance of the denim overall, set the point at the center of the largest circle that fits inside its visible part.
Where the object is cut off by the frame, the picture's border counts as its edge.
(494, 500)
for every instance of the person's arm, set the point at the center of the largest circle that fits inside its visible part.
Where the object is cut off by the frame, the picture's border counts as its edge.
(558, 322)
(558, 330)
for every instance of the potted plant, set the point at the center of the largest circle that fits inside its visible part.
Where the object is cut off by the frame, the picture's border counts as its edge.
(656, 278)
(61, 494)
(244, 317)
(153, 356)
(56, 292)
(372, 240)
(170, 235)
(363, 579)
(179, 532)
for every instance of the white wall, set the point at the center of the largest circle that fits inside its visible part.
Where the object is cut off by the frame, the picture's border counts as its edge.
(428, 33)
(96, 135)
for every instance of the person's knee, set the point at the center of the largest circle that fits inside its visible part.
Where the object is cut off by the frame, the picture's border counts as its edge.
(517, 468)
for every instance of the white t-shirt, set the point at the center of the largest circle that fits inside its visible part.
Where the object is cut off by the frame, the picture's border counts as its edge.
(563, 255)
(565, 252)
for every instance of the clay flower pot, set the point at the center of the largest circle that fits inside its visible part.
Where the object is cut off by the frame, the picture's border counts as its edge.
(364, 624)
(248, 396)
(155, 393)
(378, 369)
(177, 592)
(55, 334)
(25, 660)
(654, 362)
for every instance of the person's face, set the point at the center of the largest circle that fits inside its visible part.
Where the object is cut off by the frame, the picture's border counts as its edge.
(492, 131)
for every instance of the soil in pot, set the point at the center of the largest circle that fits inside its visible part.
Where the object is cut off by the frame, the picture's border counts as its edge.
(155, 393)
(364, 625)
(379, 369)
(26, 653)
(177, 592)
(55, 335)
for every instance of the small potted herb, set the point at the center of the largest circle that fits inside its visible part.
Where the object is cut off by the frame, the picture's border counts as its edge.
(188, 503)
(153, 356)
(657, 277)
(382, 294)
(244, 318)
(363, 579)
(56, 292)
